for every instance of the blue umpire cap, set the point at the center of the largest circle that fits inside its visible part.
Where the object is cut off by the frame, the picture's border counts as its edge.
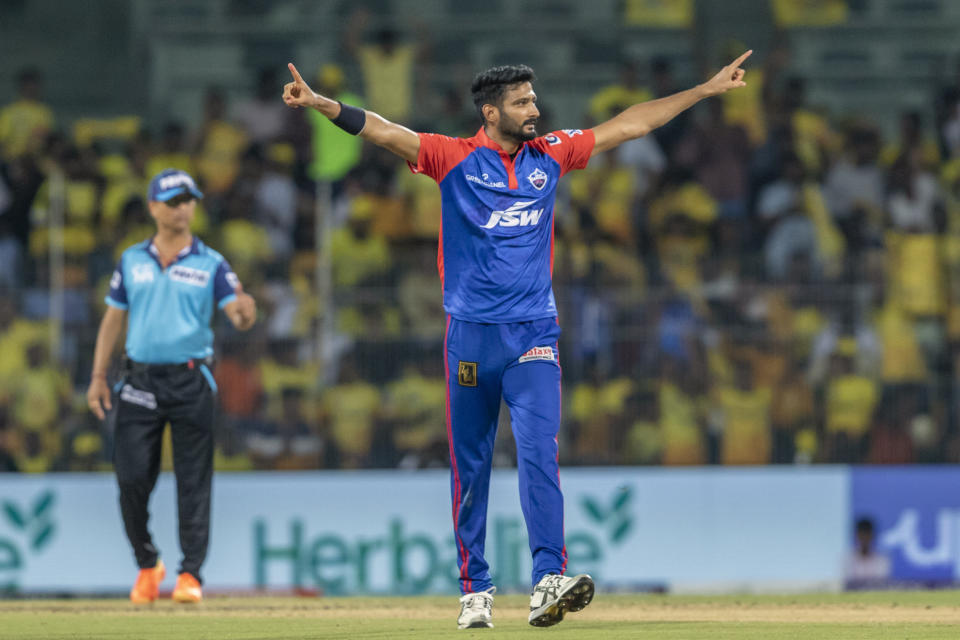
(170, 183)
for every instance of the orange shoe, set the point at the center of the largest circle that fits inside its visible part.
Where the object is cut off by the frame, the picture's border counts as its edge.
(147, 587)
(187, 589)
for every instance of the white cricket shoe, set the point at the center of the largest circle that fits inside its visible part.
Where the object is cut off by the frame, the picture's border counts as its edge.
(476, 610)
(554, 595)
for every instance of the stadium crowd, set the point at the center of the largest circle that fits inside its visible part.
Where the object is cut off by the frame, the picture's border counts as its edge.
(756, 282)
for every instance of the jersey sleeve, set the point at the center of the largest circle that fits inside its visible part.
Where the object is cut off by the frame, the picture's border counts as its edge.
(439, 154)
(117, 295)
(225, 283)
(571, 148)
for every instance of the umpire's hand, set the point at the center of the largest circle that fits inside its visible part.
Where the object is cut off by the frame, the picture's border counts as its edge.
(242, 311)
(98, 396)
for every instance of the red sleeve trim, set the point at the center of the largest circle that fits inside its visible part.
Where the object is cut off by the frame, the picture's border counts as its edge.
(439, 154)
(571, 148)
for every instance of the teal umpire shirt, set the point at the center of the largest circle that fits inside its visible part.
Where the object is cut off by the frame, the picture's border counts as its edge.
(169, 310)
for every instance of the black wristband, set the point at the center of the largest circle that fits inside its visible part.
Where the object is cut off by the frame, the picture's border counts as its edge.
(351, 119)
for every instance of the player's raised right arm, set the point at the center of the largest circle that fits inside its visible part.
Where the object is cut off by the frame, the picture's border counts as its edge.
(375, 128)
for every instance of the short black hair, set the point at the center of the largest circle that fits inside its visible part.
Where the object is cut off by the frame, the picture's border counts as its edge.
(864, 525)
(489, 86)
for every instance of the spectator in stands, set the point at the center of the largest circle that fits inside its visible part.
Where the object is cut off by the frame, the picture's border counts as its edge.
(334, 153)
(219, 146)
(387, 66)
(682, 424)
(742, 417)
(172, 150)
(614, 98)
(664, 84)
(854, 189)
(358, 256)
(11, 250)
(258, 115)
(8, 444)
(25, 122)
(416, 407)
(809, 13)
(922, 149)
(849, 404)
(353, 408)
(718, 153)
(890, 438)
(793, 417)
(290, 442)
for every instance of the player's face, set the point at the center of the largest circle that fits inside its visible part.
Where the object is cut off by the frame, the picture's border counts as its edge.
(519, 113)
(175, 214)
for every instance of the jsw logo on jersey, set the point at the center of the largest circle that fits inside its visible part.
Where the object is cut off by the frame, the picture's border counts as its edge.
(516, 215)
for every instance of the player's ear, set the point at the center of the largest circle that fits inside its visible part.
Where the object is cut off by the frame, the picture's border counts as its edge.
(490, 114)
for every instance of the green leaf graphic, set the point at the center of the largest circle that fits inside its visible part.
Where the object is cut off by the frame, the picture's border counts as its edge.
(44, 502)
(43, 538)
(621, 531)
(622, 498)
(593, 510)
(13, 514)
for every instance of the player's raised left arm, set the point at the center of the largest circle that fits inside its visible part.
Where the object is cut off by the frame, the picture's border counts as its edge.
(375, 128)
(641, 119)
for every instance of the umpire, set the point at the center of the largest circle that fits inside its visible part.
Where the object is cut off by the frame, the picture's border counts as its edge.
(168, 285)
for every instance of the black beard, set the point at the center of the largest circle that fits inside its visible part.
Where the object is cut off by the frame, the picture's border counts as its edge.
(517, 132)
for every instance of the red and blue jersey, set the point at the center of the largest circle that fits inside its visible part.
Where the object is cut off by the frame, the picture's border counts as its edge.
(496, 236)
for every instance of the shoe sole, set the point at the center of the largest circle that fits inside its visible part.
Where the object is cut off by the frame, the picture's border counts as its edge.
(186, 599)
(574, 598)
(479, 624)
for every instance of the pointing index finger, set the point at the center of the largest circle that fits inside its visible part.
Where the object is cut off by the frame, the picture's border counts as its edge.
(738, 61)
(296, 74)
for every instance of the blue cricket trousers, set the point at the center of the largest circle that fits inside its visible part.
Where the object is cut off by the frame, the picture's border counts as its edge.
(518, 361)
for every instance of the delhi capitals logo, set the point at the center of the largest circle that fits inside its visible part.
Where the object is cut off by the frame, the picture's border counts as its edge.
(538, 179)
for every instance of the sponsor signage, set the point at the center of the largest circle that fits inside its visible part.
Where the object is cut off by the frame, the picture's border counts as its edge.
(390, 531)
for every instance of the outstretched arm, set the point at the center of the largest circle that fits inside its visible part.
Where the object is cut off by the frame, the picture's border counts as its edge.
(378, 130)
(641, 119)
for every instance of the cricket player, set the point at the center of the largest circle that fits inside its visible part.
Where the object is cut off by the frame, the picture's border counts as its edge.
(495, 261)
(164, 292)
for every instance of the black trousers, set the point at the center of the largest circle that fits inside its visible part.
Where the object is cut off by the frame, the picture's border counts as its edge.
(146, 399)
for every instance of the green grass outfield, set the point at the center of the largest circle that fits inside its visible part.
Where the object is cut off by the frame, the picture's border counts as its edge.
(901, 615)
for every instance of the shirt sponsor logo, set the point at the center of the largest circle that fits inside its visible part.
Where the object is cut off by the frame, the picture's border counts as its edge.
(232, 280)
(553, 138)
(116, 279)
(142, 273)
(516, 215)
(538, 353)
(485, 181)
(538, 179)
(195, 277)
(138, 397)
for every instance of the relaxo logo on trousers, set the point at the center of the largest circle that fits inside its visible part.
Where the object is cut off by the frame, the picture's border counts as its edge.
(516, 215)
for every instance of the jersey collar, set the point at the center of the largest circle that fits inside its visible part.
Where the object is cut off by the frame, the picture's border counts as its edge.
(192, 249)
(488, 142)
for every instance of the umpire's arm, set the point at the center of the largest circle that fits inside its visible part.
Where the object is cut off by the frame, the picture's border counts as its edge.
(242, 310)
(98, 394)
